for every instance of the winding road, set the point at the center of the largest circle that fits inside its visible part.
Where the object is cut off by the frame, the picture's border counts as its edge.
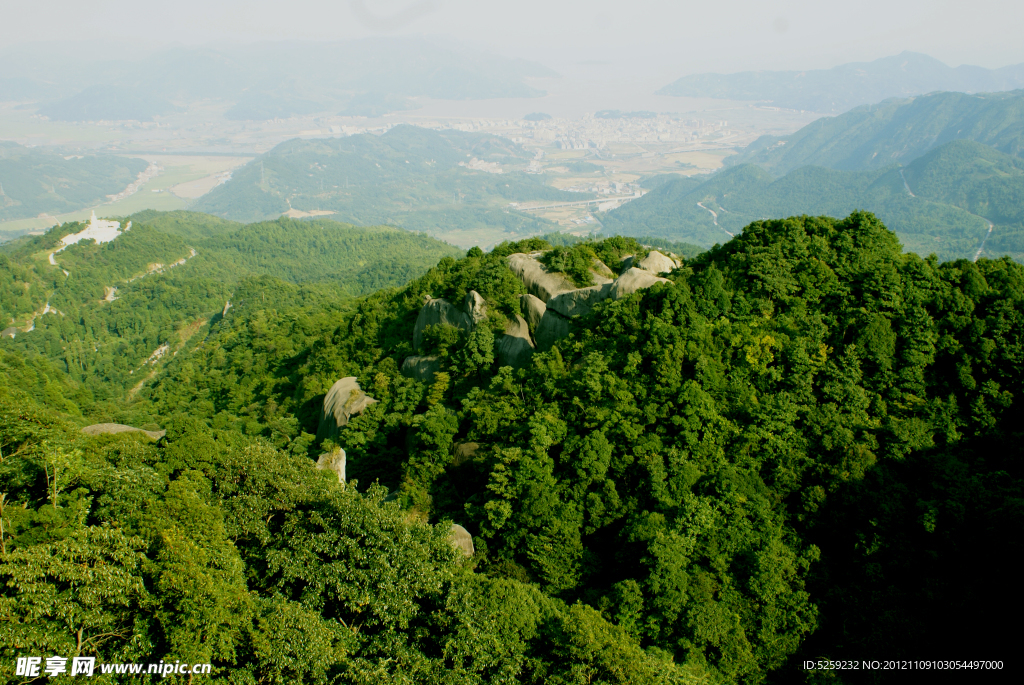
(714, 217)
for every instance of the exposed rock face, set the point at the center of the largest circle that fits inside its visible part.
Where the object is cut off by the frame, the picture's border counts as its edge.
(475, 307)
(421, 368)
(439, 311)
(9, 332)
(344, 400)
(333, 461)
(580, 301)
(464, 451)
(552, 327)
(111, 428)
(600, 272)
(515, 347)
(634, 279)
(533, 309)
(461, 540)
(657, 263)
(627, 263)
(536, 278)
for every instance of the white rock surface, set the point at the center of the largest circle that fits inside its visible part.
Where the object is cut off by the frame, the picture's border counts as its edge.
(580, 301)
(439, 311)
(344, 400)
(333, 461)
(657, 263)
(475, 307)
(461, 540)
(536, 278)
(515, 347)
(421, 368)
(634, 279)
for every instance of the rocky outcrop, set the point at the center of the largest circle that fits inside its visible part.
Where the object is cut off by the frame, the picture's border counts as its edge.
(344, 400)
(461, 540)
(112, 428)
(657, 263)
(600, 272)
(580, 301)
(464, 451)
(515, 347)
(9, 332)
(421, 368)
(533, 309)
(634, 279)
(537, 279)
(333, 461)
(439, 311)
(552, 327)
(475, 307)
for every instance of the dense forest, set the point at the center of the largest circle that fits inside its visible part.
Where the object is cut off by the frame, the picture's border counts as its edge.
(800, 444)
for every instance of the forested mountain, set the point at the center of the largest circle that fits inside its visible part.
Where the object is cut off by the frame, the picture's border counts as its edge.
(799, 445)
(941, 203)
(123, 305)
(264, 80)
(35, 181)
(849, 85)
(411, 177)
(894, 131)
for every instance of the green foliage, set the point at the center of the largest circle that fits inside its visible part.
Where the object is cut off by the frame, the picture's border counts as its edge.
(409, 177)
(38, 182)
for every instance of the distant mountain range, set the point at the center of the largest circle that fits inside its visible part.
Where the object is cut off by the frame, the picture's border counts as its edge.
(849, 85)
(438, 182)
(267, 80)
(898, 130)
(942, 203)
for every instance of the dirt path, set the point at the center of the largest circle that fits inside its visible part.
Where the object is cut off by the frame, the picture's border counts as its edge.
(714, 217)
(909, 191)
(982, 246)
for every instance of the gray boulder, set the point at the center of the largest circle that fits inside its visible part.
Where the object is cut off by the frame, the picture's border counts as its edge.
(475, 307)
(344, 400)
(632, 280)
(580, 301)
(333, 461)
(114, 428)
(439, 311)
(657, 263)
(537, 279)
(600, 272)
(421, 368)
(464, 451)
(461, 540)
(533, 309)
(515, 347)
(552, 327)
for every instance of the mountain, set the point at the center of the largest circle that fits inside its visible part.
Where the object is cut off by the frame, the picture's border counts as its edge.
(268, 80)
(898, 131)
(34, 181)
(450, 184)
(109, 103)
(801, 445)
(848, 85)
(104, 310)
(940, 203)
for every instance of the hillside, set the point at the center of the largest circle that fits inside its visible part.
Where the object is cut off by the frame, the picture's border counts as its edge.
(440, 182)
(849, 85)
(35, 181)
(894, 131)
(940, 203)
(160, 282)
(801, 444)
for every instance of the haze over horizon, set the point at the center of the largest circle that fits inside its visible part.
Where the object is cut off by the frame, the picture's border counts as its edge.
(578, 39)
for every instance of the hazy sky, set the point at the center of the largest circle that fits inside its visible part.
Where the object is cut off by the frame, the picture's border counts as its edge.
(676, 37)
